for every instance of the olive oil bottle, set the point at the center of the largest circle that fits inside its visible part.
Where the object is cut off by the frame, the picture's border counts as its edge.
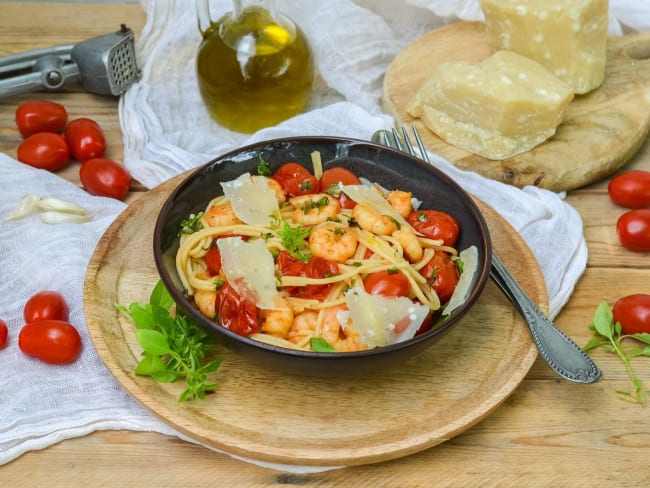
(254, 66)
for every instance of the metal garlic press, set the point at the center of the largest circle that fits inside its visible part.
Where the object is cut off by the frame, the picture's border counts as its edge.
(104, 65)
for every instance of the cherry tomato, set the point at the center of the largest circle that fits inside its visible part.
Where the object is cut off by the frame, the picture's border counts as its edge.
(633, 312)
(296, 180)
(52, 341)
(435, 225)
(40, 116)
(86, 139)
(388, 284)
(631, 189)
(4, 332)
(213, 260)
(330, 179)
(44, 150)
(442, 274)
(45, 305)
(235, 312)
(633, 229)
(316, 267)
(105, 178)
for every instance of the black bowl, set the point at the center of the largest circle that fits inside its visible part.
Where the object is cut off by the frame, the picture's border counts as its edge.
(388, 167)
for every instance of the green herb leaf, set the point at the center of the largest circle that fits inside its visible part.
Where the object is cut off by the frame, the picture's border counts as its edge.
(191, 224)
(174, 345)
(293, 239)
(318, 344)
(604, 320)
(263, 168)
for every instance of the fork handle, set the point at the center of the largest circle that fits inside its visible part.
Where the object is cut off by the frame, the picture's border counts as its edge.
(563, 355)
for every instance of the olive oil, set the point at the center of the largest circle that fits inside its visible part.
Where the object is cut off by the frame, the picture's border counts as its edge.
(254, 70)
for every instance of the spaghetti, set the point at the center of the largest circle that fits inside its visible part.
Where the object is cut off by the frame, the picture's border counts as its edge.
(331, 268)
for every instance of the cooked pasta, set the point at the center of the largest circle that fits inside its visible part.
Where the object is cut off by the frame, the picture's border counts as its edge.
(342, 269)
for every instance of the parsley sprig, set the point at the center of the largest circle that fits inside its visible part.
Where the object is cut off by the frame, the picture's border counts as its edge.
(608, 334)
(174, 346)
(293, 239)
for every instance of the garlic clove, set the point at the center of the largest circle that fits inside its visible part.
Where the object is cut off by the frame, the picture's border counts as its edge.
(28, 205)
(59, 205)
(53, 217)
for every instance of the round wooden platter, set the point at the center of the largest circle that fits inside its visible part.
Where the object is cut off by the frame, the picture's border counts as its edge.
(601, 132)
(274, 417)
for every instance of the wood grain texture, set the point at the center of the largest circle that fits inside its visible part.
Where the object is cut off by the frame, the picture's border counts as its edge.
(600, 133)
(431, 398)
(548, 432)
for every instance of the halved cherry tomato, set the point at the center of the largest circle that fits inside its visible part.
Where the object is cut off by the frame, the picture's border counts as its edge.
(442, 274)
(330, 180)
(633, 229)
(105, 178)
(4, 332)
(85, 138)
(235, 312)
(52, 341)
(435, 225)
(633, 312)
(45, 305)
(40, 116)
(631, 189)
(296, 180)
(44, 150)
(316, 267)
(388, 284)
(213, 260)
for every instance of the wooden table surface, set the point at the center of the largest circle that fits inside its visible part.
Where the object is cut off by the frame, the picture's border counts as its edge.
(548, 433)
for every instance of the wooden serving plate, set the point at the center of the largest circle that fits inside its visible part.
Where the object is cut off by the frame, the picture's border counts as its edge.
(600, 133)
(275, 417)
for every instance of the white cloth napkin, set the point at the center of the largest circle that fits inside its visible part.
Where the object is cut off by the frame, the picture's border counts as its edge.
(166, 131)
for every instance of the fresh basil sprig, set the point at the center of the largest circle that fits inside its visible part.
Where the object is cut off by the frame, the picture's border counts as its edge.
(608, 334)
(174, 346)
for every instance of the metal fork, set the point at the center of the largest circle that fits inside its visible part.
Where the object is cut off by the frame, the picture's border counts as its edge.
(559, 351)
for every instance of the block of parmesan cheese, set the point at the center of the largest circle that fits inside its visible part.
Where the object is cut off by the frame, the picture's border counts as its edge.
(503, 106)
(567, 37)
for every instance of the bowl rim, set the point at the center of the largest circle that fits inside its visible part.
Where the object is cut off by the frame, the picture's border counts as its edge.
(178, 296)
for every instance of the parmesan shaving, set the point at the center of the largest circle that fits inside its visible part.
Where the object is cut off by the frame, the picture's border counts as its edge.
(252, 198)
(368, 195)
(469, 257)
(249, 269)
(380, 320)
(317, 164)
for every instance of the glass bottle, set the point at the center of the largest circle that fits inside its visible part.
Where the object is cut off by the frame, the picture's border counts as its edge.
(254, 65)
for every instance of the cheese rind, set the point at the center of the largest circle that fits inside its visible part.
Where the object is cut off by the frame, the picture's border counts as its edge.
(567, 37)
(503, 106)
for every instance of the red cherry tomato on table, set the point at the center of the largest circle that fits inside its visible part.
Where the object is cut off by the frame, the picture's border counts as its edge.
(332, 177)
(316, 267)
(296, 180)
(86, 139)
(435, 225)
(236, 312)
(105, 178)
(40, 116)
(631, 189)
(633, 229)
(633, 312)
(442, 274)
(45, 305)
(52, 341)
(388, 284)
(44, 150)
(4, 332)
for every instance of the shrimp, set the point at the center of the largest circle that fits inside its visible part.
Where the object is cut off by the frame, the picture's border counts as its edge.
(221, 215)
(373, 221)
(206, 302)
(342, 339)
(277, 322)
(400, 201)
(280, 194)
(333, 241)
(410, 244)
(314, 209)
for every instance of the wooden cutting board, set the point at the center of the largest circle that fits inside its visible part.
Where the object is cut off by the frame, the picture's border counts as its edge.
(602, 129)
(290, 419)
